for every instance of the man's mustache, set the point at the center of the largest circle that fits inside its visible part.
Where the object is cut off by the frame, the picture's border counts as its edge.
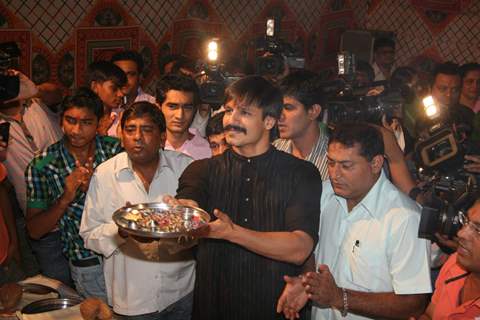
(235, 128)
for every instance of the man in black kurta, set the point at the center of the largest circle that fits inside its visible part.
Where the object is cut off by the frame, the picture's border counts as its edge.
(267, 205)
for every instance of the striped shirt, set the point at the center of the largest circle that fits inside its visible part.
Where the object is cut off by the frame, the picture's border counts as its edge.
(45, 178)
(318, 155)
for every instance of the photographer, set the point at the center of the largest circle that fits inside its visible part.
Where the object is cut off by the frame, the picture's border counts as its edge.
(457, 289)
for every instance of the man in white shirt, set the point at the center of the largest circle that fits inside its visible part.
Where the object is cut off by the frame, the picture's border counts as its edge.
(370, 262)
(383, 58)
(178, 98)
(137, 286)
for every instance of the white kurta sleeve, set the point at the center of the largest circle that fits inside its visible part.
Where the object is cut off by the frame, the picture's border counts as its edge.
(97, 229)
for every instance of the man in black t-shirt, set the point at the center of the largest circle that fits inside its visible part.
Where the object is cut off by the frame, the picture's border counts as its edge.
(265, 205)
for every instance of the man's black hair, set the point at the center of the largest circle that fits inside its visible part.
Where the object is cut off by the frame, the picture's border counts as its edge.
(256, 91)
(382, 43)
(176, 82)
(129, 55)
(141, 109)
(367, 137)
(467, 67)
(302, 85)
(83, 97)
(101, 71)
(448, 68)
(215, 124)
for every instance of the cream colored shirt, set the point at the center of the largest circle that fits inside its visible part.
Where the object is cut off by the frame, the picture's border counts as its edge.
(373, 248)
(135, 285)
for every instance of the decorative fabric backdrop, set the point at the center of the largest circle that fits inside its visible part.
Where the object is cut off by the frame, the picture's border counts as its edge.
(59, 38)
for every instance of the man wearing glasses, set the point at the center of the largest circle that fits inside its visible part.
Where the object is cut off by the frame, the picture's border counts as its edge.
(457, 290)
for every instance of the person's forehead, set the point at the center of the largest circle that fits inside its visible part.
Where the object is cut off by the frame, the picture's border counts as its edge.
(139, 120)
(337, 148)
(180, 96)
(447, 79)
(472, 74)
(79, 113)
(127, 64)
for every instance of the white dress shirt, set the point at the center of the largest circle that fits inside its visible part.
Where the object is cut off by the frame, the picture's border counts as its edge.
(375, 246)
(134, 284)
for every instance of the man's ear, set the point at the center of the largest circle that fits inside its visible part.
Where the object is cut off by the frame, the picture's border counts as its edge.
(377, 163)
(93, 86)
(269, 122)
(314, 111)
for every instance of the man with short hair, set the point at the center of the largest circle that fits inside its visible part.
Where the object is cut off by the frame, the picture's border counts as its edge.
(266, 208)
(138, 288)
(178, 98)
(57, 181)
(457, 289)
(107, 80)
(470, 74)
(371, 263)
(383, 58)
(216, 134)
(445, 90)
(131, 62)
(301, 134)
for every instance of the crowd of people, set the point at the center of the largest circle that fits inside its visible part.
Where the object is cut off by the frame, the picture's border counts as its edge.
(309, 220)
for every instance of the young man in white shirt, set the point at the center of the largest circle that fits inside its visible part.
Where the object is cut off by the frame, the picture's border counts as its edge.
(136, 286)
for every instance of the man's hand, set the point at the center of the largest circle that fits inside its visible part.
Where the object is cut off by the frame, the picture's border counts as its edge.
(321, 288)
(293, 298)
(473, 166)
(445, 241)
(86, 179)
(221, 228)
(80, 175)
(172, 201)
(105, 123)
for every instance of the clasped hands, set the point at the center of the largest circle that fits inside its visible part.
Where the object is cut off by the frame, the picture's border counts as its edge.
(320, 287)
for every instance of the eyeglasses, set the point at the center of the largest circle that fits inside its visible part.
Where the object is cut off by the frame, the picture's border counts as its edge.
(465, 222)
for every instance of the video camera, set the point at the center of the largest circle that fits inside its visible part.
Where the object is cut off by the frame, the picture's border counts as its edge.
(439, 156)
(213, 78)
(275, 52)
(346, 101)
(9, 84)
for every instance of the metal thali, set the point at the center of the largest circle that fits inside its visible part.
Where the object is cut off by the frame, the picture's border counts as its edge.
(160, 220)
(48, 305)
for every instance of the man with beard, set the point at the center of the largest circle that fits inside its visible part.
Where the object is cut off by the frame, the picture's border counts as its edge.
(57, 181)
(265, 205)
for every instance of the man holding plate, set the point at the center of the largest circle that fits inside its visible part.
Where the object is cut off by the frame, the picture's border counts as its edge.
(138, 287)
(266, 204)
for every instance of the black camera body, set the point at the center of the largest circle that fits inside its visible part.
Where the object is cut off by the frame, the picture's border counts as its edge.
(363, 108)
(9, 84)
(274, 53)
(451, 196)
